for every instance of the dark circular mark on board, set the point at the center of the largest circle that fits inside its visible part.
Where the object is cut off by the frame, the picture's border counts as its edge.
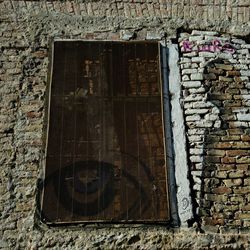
(90, 196)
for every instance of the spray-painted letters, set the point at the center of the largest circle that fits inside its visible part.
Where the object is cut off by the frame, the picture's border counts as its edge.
(213, 46)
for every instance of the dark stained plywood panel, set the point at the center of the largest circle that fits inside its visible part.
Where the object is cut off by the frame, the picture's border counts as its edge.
(105, 150)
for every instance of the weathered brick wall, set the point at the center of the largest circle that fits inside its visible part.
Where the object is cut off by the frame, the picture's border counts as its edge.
(216, 93)
(208, 11)
(224, 15)
(26, 31)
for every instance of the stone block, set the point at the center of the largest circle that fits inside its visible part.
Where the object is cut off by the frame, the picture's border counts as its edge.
(211, 117)
(244, 160)
(237, 152)
(243, 117)
(236, 131)
(238, 41)
(196, 132)
(191, 54)
(236, 198)
(213, 221)
(244, 167)
(233, 73)
(207, 54)
(189, 71)
(200, 105)
(247, 182)
(242, 190)
(197, 59)
(230, 138)
(185, 78)
(196, 158)
(151, 35)
(233, 91)
(207, 33)
(220, 145)
(245, 138)
(127, 35)
(245, 72)
(245, 207)
(243, 51)
(194, 98)
(185, 60)
(186, 66)
(197, 90)
(242, 67)
(217, 152)
(192, 84)
(196, 111)
(221, 174)
(240, 145)
(194, 138)
(196, 38)
(225, 79)
(236, 174)
(226, 167)
(228, 160)
(203, 124)
(216, 197)
(227, 56)
(243, 216)
(193, 118)
(224, 66)
(210, 76)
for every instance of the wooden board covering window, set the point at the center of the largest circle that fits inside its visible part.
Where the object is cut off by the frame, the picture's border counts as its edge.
(105, 150)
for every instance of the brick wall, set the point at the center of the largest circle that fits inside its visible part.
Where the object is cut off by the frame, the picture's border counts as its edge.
(216, 93)
(208, 11)
(27, 29)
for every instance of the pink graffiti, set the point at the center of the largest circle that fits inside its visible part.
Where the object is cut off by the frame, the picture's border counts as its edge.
(214, 46)
(187, 46)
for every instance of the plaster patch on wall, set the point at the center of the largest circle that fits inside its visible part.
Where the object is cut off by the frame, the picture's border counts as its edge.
(179, 138)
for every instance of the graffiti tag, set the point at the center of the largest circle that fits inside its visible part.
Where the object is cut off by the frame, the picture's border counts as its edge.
(185, 203)
(214, 46)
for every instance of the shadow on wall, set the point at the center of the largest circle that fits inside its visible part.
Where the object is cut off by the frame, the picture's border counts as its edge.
(226, 151)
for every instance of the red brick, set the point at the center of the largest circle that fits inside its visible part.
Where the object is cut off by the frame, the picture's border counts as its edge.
(245, 138)
(245, 207)
(233, 73)
(33, 114)
(237, 152)
(222, 190)
(213, 221)
(40, 53)
(244, 167)
(228, 160)
(220, 145)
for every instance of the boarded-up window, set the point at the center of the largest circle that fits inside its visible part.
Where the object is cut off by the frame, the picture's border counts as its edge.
(105, 156)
